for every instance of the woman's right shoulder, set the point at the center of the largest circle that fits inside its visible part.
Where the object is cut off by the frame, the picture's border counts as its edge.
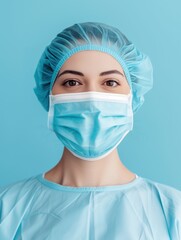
(18, 194)
(17, 187)
(16, 200)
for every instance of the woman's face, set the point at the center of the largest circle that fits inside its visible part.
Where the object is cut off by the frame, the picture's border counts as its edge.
(91, 71)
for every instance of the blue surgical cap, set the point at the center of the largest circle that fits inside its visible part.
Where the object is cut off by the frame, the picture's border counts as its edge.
(136, 65)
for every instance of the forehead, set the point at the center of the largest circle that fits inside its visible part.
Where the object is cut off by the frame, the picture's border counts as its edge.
(91, 60)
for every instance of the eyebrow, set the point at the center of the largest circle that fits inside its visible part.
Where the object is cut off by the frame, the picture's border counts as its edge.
(81, 74)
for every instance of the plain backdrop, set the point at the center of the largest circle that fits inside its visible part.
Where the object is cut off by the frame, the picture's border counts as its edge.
(153, 149)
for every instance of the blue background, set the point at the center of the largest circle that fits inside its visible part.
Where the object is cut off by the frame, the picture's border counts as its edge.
(27, 147)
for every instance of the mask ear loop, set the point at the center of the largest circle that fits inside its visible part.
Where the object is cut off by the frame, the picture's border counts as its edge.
(50, 113)
(131, 109)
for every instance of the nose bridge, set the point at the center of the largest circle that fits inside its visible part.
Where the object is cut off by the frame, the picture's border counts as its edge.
(92, 85)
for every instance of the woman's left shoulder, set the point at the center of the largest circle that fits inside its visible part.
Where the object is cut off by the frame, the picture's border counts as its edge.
(172, 194)
(169, 192)
(169, 197)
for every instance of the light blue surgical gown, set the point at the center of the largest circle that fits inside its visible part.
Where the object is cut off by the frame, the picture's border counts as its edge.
(36, 208)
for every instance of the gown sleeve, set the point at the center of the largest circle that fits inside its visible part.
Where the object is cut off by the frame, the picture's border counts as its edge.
(15, 202)
(170, 200)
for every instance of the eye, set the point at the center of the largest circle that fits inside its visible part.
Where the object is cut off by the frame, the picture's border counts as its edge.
(112, 83)
(71, 83)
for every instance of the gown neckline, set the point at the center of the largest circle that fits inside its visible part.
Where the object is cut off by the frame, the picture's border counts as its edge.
(60, 187)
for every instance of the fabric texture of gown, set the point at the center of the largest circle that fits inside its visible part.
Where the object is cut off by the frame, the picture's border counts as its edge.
(36, 208)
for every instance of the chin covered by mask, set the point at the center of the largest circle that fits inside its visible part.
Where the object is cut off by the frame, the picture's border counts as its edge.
(90, 124)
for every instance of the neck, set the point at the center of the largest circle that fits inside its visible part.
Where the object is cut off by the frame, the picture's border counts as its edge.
(73, 171)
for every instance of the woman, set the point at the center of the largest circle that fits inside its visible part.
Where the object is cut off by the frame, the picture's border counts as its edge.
(92, 80)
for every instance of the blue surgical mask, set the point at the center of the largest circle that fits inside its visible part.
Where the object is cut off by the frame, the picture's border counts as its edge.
(90, 124)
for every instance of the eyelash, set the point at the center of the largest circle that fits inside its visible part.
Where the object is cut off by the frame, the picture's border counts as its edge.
(68, 81)
(64, 84)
